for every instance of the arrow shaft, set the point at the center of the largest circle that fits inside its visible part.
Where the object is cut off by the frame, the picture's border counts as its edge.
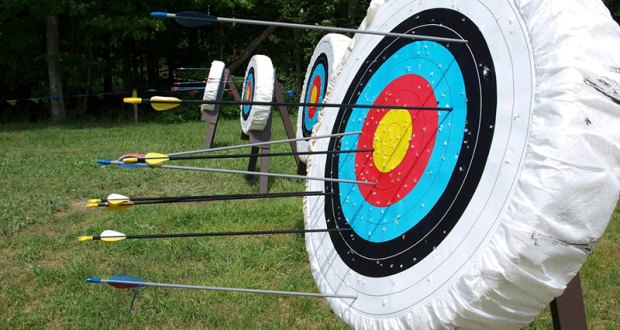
(277, 175)
(260, 144)
(275, 154)
(300, 104)
(213, 288)
(314, 27)
(232, 233)
(209, 198)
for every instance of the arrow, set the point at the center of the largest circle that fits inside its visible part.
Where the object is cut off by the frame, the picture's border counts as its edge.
(161, 103)
(123, 281)
(257, 144)
(251, 173)
(111, 236)
(156, 159)
(195, 19)
(119, 202)
(193, 69)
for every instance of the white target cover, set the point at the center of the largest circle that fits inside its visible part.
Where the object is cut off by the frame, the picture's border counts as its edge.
(257, 87)
(216, 74)
(545, 194)
(328, 55)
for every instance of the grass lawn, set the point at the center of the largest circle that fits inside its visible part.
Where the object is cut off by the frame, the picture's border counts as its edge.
(49, 172)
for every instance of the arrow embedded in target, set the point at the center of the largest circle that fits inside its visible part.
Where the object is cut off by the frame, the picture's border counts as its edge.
(119, 202)
(156, 159)
(196, 19)
(123, 281)
(111, 236)
(161, 103)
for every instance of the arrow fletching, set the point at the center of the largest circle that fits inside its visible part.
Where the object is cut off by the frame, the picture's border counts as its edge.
(124, 281)
(190, 19)
(111, 236)
(155, 159)
(161, 103)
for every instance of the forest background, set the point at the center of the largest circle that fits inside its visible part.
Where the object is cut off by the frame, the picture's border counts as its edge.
(76, 60)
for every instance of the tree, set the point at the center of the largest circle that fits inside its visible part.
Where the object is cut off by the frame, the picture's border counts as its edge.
(53, 69)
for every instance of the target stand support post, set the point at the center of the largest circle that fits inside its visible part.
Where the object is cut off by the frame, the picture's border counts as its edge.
(567, 310)
(212, 117)
(265, 136)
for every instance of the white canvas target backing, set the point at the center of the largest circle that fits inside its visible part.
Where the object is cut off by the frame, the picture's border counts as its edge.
(257, 87)
(482, 214)
(216, 74)
(321, 70)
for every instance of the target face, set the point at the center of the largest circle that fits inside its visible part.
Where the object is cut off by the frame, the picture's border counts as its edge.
(248, 93)
(322, 69)
(441, 175)
(257, 87)
(315, 93)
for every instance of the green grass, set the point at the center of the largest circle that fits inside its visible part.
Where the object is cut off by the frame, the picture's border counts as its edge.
(48, 172)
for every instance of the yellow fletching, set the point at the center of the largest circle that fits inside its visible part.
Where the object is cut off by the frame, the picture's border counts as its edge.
(115, 207)
(161, 103)
(94, 200)
(91, 205)
(85, 238)
(130, 160)
(111, 239)
(132, 100)
(155, 159)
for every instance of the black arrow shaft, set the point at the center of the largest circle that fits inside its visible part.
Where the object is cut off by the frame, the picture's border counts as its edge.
(302, 104)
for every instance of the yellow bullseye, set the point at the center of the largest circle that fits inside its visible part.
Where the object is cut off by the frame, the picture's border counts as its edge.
(392, 140)
(314, 95)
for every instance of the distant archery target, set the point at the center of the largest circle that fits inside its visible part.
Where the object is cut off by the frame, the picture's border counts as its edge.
(323, 67)
(216, 74)
(442, 178)
(257, 87)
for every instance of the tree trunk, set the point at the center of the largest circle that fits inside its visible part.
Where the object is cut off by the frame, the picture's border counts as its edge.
(107, 73)
(248, 51)
(53, 69)
(351, 13)
(127, 74)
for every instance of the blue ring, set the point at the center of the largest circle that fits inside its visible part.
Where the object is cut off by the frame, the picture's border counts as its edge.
(250, 78)
(438, 66)
(320, 71)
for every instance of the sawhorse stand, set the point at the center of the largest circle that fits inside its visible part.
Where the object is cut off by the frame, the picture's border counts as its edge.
(212, 117)
(265, 136)
(567, 310)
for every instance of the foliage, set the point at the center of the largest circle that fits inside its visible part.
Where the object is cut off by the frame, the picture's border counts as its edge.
(123, 48)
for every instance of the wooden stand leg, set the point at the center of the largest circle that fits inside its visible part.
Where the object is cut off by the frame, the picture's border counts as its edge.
(256, 137)
(567, 310)
(212, 116)
(263, 181)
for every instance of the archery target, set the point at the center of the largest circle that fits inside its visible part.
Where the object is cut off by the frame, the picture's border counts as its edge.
(216, 74)
(258, 87)
(326, 57)
(459, 230)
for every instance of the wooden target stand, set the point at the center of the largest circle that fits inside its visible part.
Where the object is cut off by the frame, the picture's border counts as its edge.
(265, 136)
(567, 310)
(255, 136)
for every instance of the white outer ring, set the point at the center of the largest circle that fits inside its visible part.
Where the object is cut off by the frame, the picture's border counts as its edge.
(216, 74)
(333, 46)
(553, 178)
(264, 79)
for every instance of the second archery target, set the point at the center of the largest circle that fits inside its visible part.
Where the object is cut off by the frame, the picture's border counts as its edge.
(437, 242)
(216, 74)
(257, 87)
(322, 69)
